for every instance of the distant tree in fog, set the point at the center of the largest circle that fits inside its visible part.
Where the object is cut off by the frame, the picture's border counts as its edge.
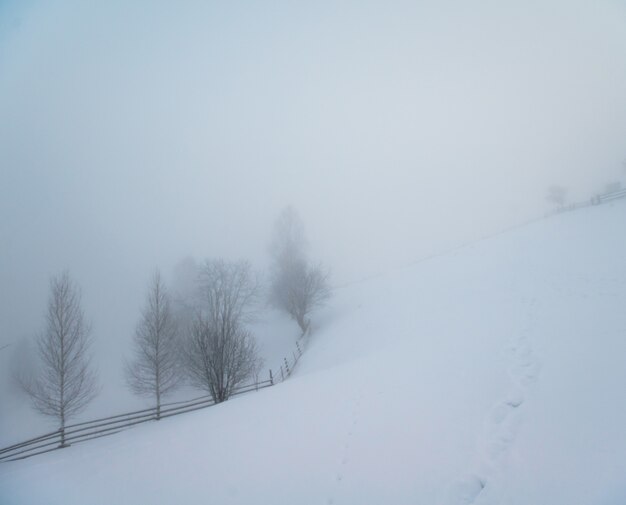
(288, 243)
(557, 195)
(298, 289)
(219, 353)
(154, 370)
(295, 286)
(65, 383)
(184, 293)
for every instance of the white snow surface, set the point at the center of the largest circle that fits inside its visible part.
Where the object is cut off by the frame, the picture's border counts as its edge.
(492, 375)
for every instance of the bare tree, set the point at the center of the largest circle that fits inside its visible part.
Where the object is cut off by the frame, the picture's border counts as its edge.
(65, 384)
(155, 370)
(556, 195)
(219, 359)
(184, 293)
(296, 286)
(303, 288)
(220, 354)
(289, 243)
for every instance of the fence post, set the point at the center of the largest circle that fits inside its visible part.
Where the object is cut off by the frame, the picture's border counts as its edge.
(282, 375)
(287, 367)
(298, 346)
(271, 378)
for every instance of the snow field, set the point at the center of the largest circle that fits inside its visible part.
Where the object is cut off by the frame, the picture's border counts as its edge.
(492, 375)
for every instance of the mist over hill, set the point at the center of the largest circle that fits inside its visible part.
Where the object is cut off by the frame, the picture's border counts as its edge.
(160, 135)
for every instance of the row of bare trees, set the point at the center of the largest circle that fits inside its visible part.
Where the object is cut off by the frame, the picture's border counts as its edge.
(200, 337)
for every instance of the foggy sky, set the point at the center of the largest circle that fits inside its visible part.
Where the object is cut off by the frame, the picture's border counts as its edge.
(132, 136)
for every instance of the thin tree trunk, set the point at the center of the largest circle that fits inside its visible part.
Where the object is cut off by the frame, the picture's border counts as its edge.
(62, 398)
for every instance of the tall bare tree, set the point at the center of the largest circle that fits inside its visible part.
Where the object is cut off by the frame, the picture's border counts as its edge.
(155, 370)
(65, 384)
(220, 354)
(296, 286)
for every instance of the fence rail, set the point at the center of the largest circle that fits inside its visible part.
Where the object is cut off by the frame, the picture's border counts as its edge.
(607, 197)
(105, 426)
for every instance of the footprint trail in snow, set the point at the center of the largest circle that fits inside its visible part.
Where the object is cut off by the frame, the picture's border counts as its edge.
(502, 422)
(345, 451)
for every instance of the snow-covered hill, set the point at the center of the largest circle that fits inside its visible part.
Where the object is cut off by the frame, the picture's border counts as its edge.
(492, 375)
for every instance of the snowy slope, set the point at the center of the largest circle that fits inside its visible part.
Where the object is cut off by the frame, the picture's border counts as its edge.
(492, 375)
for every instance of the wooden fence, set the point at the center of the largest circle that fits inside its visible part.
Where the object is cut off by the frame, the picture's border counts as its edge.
(607, 197)
(89, 430)
(595, 200)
